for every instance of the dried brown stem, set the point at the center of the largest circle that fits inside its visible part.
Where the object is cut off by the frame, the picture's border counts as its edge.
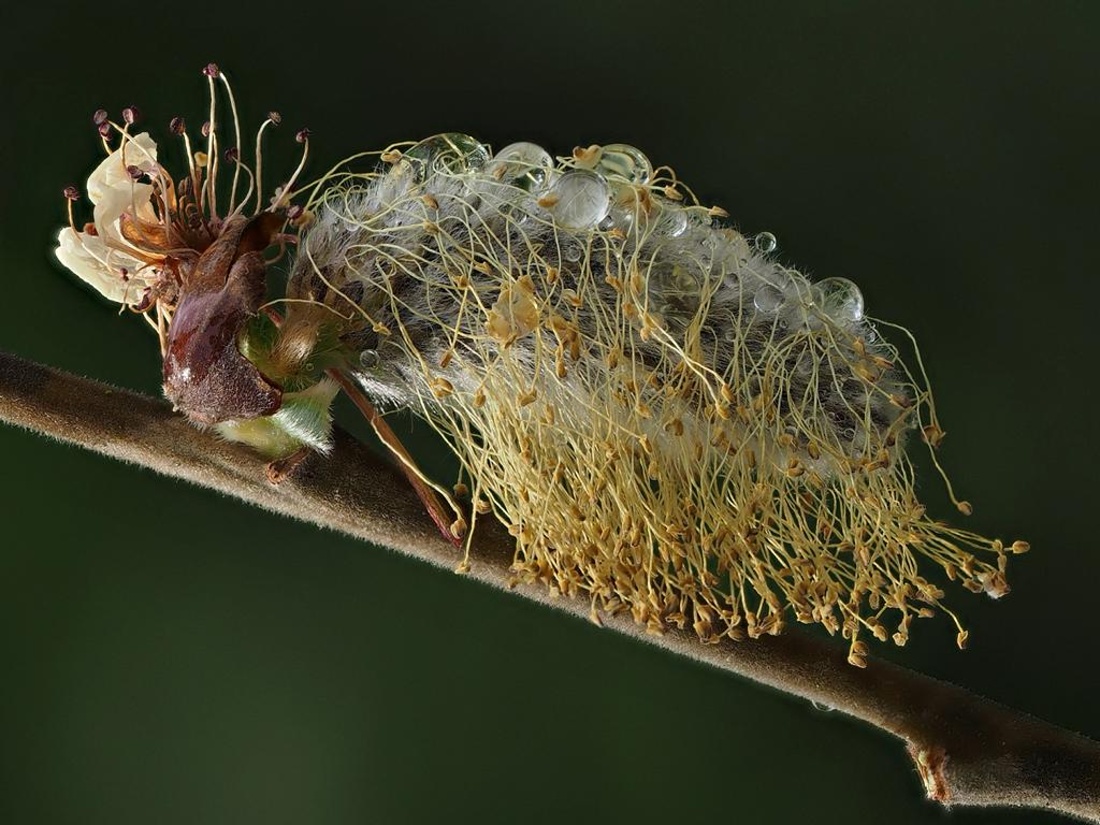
(968, 750)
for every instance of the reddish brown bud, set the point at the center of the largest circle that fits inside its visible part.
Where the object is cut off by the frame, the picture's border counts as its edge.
(232, 154)
(104, 129)
(303, 135)
(100, 117)
(206, 128)
(211, 70)
(134, 172)
(205, 374)
(72, 193)
(177, 126)
(275, 117)
(131, 115)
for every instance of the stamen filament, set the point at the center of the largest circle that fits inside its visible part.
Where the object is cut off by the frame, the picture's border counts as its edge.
(236, 139)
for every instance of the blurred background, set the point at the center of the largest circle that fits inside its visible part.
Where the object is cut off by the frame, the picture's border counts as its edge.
(172, 656)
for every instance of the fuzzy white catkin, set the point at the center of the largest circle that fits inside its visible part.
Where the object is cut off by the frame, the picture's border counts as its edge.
(667, 418)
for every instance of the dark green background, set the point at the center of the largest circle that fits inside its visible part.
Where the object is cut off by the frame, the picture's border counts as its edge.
(171, 656)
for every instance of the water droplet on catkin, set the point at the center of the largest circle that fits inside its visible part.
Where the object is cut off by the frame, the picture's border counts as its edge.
(624, 162)
(579, 199)
(765, 242)
(768, 298)
(840, 298)
(524, 165)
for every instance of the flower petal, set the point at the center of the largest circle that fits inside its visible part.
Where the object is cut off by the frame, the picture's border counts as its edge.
(95, 263)
(111, 174)
(131, 197)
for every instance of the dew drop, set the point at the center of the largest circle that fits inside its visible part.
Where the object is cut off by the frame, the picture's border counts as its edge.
(571, 252)
(673, 220)
(622, 161)
(525, 165)
(765, 242)
(368, 359)
(581, 199)
(451, 153)
(840, 299)
(623, 218)
(768, 298)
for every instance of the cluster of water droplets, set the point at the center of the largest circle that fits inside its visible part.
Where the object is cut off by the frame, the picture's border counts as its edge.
(791, 297)
(612, 188)
(595, 189)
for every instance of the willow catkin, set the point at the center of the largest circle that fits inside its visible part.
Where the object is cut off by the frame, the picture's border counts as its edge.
(668, 419)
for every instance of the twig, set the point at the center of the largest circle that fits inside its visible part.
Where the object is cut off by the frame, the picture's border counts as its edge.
(968, 750)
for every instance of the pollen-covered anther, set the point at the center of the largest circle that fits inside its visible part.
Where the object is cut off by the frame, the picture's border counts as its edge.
(902, 402)
(878, 630)
(514, 314)
(441, 387)
(857, 654)
(932, 435)
(994, 584)
(458, 529)
(865, 372)
(586, 156)
(704, 624)
(301, 219)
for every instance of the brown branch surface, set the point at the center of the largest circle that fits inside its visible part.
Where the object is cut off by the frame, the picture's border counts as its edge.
(968, 750)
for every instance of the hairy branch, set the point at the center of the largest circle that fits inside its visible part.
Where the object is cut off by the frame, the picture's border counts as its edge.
(968, 750)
